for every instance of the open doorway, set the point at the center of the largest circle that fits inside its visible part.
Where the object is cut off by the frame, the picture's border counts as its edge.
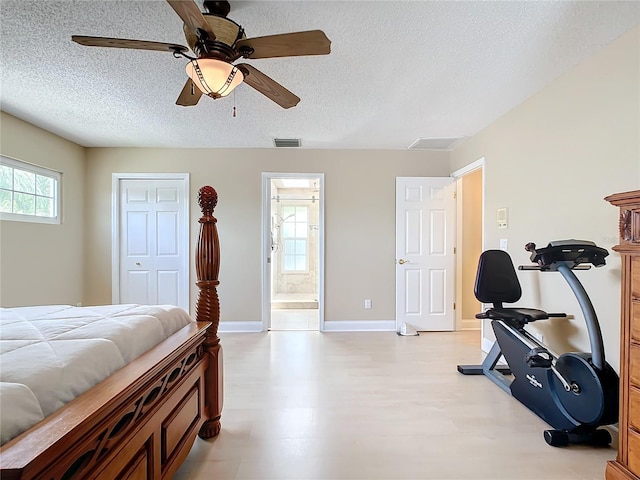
(293, 237)
(470, 241)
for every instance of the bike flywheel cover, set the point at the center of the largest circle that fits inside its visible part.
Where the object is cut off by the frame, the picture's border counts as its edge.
(585, 403)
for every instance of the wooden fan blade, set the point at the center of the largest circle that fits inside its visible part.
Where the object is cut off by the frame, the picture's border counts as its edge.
(191, 15)
(312, 42)
(124, 43)
(267, 86)
(189, 95)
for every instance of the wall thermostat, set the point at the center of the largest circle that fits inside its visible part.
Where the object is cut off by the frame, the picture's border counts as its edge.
(502, 218)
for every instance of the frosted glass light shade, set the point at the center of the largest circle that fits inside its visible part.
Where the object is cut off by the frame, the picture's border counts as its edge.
(214, 77)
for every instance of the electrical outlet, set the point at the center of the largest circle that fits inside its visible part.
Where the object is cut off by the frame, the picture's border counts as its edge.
(367, 303)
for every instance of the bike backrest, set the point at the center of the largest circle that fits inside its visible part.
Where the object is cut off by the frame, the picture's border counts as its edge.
(496, 279)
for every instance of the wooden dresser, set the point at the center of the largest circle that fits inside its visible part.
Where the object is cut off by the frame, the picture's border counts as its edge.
(627, 464)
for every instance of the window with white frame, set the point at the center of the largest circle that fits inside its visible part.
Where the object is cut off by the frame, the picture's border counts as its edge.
(295, 228)
(28, 193)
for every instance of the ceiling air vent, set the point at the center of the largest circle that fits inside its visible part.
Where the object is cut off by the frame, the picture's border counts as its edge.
(434, 143)
(286, 142)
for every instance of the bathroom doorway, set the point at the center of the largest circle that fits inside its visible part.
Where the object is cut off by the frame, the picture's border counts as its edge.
(293, 220)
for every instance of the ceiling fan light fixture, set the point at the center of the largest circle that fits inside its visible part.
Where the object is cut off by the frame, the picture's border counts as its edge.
(213, 77)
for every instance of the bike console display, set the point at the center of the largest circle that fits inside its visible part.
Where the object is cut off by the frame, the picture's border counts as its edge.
(571, 253)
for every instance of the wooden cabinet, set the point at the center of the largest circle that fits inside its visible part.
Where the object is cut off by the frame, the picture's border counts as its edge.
(627, 464)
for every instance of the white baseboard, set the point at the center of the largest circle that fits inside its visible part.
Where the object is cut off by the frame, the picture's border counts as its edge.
(469, 324)
(486, 345)
(330, 326)
(336, 326)
(360, 326)
(243, 327)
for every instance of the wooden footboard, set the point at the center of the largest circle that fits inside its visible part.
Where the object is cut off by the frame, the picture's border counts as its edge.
(140, 422)
(148, 411)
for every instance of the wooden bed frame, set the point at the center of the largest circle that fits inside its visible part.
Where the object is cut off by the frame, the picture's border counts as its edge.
(140, 422)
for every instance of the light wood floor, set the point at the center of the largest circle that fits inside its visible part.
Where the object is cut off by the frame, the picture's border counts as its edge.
(333, 406)
(295, 319)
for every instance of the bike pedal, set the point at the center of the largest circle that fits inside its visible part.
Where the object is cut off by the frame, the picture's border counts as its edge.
(538, 358)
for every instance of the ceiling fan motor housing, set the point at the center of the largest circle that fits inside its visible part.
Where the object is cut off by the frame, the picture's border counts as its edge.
(228, 33)
(216, 7)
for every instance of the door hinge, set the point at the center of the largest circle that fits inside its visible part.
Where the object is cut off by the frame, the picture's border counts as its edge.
(454, 305)
(455, 250)
(455, 194)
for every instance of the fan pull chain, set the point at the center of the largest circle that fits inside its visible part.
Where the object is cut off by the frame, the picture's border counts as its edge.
(234, 103)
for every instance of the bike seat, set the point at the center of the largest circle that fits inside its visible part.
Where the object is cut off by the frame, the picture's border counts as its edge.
(522, 315)
(497, 283)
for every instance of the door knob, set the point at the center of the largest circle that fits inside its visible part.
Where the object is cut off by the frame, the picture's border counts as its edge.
(402, 261)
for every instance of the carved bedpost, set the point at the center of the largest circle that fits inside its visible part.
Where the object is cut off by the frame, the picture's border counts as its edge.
(208, 308)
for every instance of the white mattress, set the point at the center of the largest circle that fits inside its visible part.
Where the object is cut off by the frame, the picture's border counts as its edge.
(51, 354)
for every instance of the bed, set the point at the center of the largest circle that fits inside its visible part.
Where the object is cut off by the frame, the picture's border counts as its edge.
(141, 419)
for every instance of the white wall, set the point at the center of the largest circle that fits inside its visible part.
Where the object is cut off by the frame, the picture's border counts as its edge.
(359, 219)
(42, 263)
(551, 161)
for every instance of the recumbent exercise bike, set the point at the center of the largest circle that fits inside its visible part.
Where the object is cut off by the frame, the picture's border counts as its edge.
(575, 392)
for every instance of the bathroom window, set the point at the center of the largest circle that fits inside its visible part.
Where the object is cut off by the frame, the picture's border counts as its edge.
(295, 230)
(28, 193)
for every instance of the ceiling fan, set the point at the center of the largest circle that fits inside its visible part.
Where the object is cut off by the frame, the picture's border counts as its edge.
(217, 42)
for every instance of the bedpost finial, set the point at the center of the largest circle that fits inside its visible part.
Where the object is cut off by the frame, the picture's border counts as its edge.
(207, 199)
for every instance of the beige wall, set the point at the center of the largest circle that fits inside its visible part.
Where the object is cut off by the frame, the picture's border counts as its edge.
(41, 263)
(551, 161)
(359, 219)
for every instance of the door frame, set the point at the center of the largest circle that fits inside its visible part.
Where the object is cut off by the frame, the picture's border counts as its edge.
(116, 179)
(458, 174)
(266, 244)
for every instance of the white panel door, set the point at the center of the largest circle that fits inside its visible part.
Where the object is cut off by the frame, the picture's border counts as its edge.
(153, 242)
(425, 260)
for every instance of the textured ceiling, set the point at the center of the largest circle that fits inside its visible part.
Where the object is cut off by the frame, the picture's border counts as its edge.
(398, 71)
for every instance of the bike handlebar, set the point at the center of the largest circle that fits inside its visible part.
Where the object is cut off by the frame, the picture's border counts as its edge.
(567, 255)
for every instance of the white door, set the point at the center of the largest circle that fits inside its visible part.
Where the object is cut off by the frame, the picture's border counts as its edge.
(425, 260)
(153, 242)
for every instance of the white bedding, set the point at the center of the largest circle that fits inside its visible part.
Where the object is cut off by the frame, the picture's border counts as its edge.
(51, 354)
